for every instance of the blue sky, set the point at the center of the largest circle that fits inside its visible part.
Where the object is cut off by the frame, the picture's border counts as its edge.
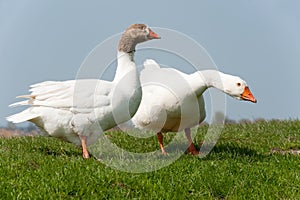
(256, 40)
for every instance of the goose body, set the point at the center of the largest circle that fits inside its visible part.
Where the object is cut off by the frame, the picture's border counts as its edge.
(165, 92)
(172, 100)
(78, 111)
(64, 109)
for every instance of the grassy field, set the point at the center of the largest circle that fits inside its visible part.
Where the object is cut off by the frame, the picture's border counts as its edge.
(250, 161)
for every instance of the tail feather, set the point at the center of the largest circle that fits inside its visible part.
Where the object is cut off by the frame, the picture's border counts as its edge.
(151, 64)
(26, 96)
(21, 103)
(22, 116)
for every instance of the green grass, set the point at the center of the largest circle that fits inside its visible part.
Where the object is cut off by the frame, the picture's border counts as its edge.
(241, 166)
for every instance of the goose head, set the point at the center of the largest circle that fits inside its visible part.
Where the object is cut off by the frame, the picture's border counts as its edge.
(135, 34)
(237, 88)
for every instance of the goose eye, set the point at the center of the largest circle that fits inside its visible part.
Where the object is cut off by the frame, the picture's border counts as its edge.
(238, 84)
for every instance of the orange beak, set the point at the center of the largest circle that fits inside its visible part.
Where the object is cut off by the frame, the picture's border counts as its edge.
(153, 35)
(248, 96)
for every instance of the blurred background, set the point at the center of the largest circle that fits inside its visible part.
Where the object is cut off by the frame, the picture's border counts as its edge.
(256, 40)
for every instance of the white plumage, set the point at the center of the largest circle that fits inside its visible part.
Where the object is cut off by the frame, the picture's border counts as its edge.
(78, 111)
(172, 101)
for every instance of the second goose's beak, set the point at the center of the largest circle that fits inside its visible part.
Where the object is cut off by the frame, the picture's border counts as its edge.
(248, 96)
(153, 35)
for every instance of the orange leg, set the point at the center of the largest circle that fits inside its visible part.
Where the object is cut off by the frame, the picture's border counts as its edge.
(192, 149)
(160, 140)
(85, 153)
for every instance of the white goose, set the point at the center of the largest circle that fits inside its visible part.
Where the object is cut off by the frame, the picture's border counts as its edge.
(77, 110)
(172, 101)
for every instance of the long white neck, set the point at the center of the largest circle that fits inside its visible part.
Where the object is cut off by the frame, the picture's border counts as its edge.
(125, 64)
(201, 80)
(127, 88)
